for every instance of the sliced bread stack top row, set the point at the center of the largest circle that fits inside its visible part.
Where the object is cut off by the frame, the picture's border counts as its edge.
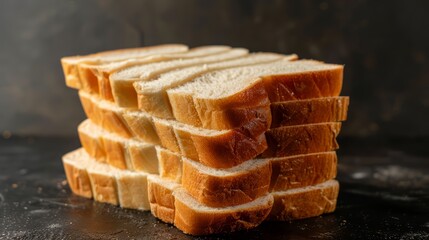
(212, 139)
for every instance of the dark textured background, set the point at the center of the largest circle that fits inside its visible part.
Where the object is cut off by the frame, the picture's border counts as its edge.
(383, 44)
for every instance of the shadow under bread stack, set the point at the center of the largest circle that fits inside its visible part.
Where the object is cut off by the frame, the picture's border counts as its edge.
(211, 139)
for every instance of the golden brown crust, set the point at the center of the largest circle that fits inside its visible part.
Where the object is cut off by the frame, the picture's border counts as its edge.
(237, 111)
(141, 127)
(104, 187)
(222, 191)
(167, 136)
(88, 79)
(324, 83)
(155, 103)
(194, 222)
(301, 139)
(186, 144)
(104, 87)
(203, 112)
(161, 201)
(104, 117)
(71, 73)
(184, 109)
(302, 170)
(78, 179)
(143, 158)
(116, 151)
(170, 165)
(93, 146)
(330, 109)
(228, 149)
(310, 203)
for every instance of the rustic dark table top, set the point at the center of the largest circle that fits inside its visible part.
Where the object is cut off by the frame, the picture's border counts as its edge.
(384, 195)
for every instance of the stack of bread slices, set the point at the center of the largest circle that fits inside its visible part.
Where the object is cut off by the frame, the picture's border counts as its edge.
(211, 139)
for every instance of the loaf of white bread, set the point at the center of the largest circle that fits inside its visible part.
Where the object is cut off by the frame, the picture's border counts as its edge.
(211, 139)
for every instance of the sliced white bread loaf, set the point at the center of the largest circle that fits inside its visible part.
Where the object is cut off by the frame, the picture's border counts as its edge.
(119, 152)
(286, 172)
(152, 95)
(172, 203)
(235, 97)
(210, 186)
(89, 178)
(195, 218)
(122, 81)
(211, 146)
(70, 64)
(140, 124)
(95, 77)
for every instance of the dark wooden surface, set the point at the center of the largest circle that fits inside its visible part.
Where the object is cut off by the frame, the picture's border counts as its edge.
(384, 195)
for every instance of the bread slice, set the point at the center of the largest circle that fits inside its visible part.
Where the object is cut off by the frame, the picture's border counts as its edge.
(117, 151)
(211, 146)
(122, 81)
(301, 139)
(152, 95)
(249, 180)
(161, 198)
(75, 167)
(217, 149)
(226, 187)
(225, 149)
(305, 202)
(89, 178)
(170, 164)
(195, 218)
(245, 92)
(316, 110)
(70, 64)
(107, 116)
(286, 172)
(95, 77)
(301, 171)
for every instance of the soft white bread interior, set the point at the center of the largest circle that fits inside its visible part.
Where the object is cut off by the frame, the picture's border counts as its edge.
(209, 96)
(152, 95)
(89, 178)
(122, 81)
(96, 78)
(70, 64)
